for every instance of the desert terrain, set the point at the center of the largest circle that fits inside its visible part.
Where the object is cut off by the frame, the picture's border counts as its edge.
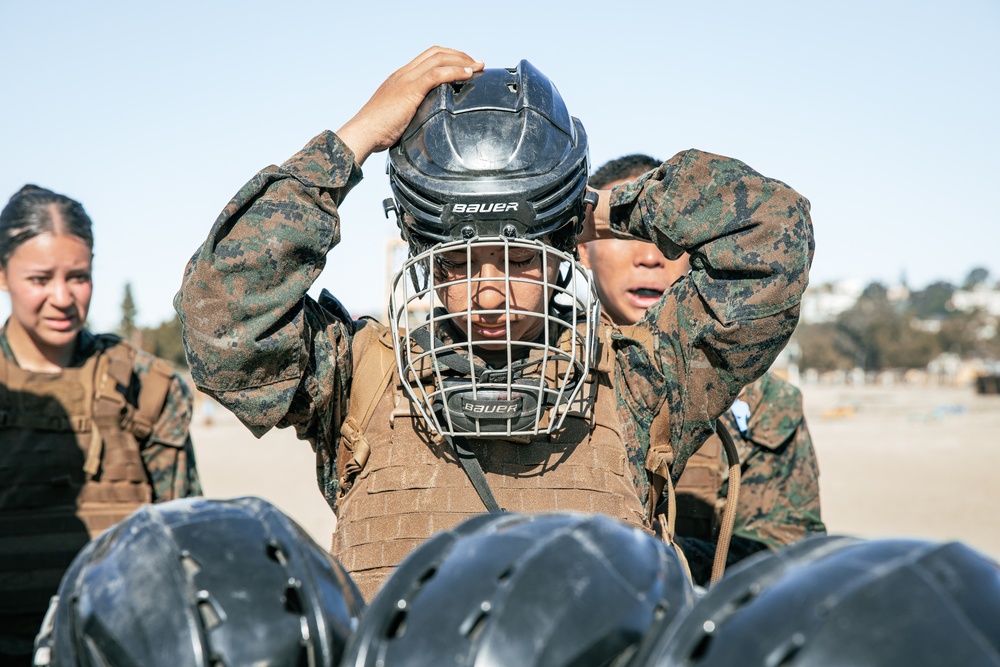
(894, 461)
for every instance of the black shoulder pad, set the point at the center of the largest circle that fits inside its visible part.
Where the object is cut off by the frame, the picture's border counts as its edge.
(332, 304)
(103, 341)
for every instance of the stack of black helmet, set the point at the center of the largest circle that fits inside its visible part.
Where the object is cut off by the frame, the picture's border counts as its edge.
(231, 583)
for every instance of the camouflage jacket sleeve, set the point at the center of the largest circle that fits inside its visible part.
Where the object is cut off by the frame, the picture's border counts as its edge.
(254, 340)
(779, 492)
(168, 454)
(751, 243)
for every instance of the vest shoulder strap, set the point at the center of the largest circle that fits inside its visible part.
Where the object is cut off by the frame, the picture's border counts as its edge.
(117, 381)
(152, 398)
(374, 364)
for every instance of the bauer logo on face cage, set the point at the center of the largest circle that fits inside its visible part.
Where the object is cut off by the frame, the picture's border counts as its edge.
(497, 335)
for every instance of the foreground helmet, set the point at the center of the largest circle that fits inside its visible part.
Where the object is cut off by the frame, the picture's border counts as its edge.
(201, 583)
(552, 590)
(832, 601)
(494, 163)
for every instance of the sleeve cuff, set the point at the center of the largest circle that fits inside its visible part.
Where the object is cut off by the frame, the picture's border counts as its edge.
(325, 162)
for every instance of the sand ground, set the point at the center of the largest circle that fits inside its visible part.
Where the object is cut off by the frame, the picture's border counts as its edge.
(902, 461)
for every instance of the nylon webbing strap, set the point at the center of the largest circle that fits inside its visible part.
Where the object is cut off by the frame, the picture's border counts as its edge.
(470, 464)
(451, 359)
(457, 362)
(732, 498)
(371, 379)
(466, 458)
(152, 398)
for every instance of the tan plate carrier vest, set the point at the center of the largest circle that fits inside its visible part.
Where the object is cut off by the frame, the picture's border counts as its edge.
(400, 485)
(69, 466)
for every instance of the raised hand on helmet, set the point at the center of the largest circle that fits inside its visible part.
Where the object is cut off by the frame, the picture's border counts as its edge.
(381, 121)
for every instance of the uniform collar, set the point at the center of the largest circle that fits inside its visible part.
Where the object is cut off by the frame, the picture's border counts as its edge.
(86, 344)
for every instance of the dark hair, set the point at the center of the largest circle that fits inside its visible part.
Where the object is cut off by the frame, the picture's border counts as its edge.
(33, 211)
(622, 168)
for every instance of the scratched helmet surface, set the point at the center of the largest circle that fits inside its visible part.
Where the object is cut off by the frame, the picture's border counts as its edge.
(201, 583)
(498, 154)
(832, 601)
(542, 590)
(493, 165)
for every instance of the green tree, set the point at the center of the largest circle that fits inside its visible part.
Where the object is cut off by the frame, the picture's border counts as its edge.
(970, 334)
(165, 342)
(976, 276)
(126, 328)
(879, 336)
(932, 301)
(822, 348)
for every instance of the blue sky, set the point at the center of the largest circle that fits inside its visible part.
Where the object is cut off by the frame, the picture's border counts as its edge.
(884, 114)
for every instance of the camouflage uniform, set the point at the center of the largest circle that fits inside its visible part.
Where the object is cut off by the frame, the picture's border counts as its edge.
(779, 487)
(276, 357)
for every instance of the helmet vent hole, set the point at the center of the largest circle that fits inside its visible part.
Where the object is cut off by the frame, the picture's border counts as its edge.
(701, 649)
(276, 553)
(785, 655)
(397, 625)
(210, 616)
(745, 598)
(292, 597)
(505, 575)
(473, 626)
(512, 87)
(457, 86)
(190, 565)
(427, 576)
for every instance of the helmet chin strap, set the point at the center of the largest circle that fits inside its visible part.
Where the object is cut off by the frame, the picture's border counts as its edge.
(466, 457)
(474, 471)
(458, 363)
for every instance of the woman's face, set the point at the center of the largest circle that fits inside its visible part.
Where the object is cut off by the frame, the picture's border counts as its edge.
(49, 281)
(481, 288)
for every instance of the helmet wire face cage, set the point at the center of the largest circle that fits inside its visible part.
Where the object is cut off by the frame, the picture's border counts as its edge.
(496, 318)
(504, 370)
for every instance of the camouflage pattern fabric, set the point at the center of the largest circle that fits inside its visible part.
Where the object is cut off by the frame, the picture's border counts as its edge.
(779, 488)
(275, 357)
(167, 453)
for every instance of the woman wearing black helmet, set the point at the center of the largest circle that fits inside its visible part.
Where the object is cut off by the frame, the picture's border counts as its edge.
(507, 391)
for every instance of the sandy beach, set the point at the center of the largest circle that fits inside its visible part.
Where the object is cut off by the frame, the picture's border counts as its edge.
(900, 461)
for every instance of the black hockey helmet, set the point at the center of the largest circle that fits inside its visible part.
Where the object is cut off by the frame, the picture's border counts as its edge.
(549, 590)
(200, 582)
(497, 155)
(833, 601)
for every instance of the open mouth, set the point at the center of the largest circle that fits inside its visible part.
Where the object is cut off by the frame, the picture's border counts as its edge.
(644, 297)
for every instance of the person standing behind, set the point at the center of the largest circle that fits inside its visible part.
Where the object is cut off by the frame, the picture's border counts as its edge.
(779, 493)
(91, 427)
